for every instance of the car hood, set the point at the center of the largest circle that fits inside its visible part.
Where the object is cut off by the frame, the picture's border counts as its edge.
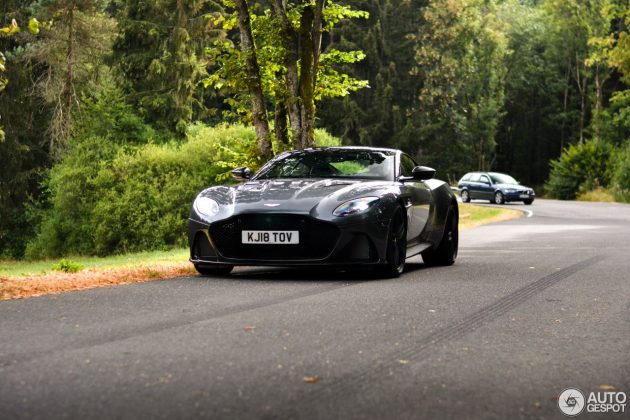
(517, 187)
(291, 195)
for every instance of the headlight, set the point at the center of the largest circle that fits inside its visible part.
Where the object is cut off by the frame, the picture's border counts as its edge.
(510, 190)
(355, 206)
(206, 207)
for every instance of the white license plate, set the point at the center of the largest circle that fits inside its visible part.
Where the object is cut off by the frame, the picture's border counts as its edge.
(524, 196)
(272, 237)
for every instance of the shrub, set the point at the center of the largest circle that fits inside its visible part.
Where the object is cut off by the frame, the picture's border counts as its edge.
(146, 196)
(581, 167)
(108, 199)
(67, 266)
(621, 175)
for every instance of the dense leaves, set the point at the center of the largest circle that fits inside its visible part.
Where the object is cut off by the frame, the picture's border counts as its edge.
(110, 199)
(582, 166)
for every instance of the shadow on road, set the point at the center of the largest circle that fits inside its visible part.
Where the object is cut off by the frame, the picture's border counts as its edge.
(320, 274)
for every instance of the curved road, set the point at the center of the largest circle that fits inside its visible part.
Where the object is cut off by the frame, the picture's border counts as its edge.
(532, 306)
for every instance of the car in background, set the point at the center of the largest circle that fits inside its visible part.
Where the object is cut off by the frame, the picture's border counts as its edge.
(496, 187)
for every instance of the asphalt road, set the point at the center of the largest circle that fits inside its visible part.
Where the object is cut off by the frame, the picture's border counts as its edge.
(531, 307)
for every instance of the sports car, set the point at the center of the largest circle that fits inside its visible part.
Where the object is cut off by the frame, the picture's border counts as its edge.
(342, 207)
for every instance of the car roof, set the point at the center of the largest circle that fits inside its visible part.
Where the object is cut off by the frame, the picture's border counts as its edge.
(369, 148)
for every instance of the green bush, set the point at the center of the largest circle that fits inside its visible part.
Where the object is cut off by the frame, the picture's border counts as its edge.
(108, 199)
(67, 266)
(581, 167)
(146, 196)
(621, 175)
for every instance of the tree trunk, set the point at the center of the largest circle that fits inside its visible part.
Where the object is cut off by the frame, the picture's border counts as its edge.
(565, 105)
(69, 88)
(254, 83)
(318, 21)
(306, 88)
(581, 81)
(290, 44)
(60, 125)
(304, 45)
(280, 123)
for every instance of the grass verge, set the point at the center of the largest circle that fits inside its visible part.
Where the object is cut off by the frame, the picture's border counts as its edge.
(22, 279)
(471, 216)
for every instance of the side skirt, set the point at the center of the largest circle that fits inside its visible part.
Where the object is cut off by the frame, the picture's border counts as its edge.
(417, 249)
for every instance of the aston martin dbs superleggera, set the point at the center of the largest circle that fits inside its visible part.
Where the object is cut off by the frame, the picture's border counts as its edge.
(335, 206)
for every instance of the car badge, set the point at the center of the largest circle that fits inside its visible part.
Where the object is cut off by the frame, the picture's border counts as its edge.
(272, 204)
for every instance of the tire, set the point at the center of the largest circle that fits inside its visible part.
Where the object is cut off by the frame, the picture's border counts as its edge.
(219, 270)
(446, 252)
(528, 202)
(396, 246)
(498, 198)
(465, 195)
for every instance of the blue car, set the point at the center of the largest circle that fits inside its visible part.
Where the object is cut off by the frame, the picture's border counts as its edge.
(493, 186)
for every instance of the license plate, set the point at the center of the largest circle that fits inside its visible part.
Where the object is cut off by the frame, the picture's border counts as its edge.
(524, 196)
(272, 237)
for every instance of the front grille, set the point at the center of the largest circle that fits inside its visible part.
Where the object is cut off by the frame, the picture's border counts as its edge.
(317, 238)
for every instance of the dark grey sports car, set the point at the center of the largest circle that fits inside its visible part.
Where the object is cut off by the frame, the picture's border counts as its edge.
(334, 206)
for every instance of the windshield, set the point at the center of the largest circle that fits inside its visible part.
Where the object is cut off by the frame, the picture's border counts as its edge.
(331, 163)
(502, 179)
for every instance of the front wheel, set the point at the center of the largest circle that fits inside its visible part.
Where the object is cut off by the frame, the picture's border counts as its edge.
(446, 252)
(465, 196)
(396, 246)
(498, 198)
(214, 270)
(528, 202)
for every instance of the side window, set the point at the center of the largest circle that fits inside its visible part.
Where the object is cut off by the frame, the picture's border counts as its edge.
(466, 178)
(406, 165)
(474, 177)
(485, 179)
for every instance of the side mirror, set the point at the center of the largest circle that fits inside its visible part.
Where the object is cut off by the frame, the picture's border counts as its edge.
(422, 173)
(242, 173)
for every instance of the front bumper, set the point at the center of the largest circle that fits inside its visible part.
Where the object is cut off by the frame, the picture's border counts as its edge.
(518, 196)
(321, 242)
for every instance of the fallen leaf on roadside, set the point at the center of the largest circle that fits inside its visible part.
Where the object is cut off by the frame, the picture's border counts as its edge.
(403, 362)
(606, 387)
(249, 328)
(311, 379)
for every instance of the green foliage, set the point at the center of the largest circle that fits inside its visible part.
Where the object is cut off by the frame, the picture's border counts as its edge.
(67, 266)
(160, 52)
(324, 139)
(621, 174)
(107, 199)
(230, 76)
(581, 167)
(461, 57)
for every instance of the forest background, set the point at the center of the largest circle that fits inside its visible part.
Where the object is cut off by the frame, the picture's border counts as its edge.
(114, 114)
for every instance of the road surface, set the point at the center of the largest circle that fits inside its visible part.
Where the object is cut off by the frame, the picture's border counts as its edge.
(531, 307)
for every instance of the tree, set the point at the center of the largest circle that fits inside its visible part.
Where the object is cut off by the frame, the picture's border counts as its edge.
(71, 54)
(379, 116)
(160, 54)
(460, 58)
(612, 52)
(280, 60)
